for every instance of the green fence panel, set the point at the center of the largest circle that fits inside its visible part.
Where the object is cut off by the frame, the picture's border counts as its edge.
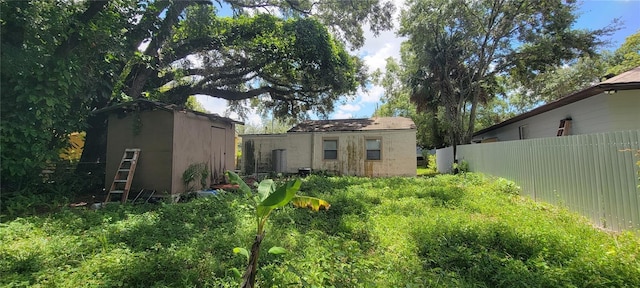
(595, 175)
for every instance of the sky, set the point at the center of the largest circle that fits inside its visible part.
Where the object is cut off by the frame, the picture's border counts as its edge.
(593, 14)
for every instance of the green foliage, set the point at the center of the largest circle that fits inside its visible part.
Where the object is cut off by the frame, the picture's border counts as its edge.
(626, 57)
(457, 49)
(431, 167)
(195, 172)
(60, 185)
(443, 231)
(47, 91)
(558, 82)
(461, 167)
(193, 104)
(396, 102)
(269, 197)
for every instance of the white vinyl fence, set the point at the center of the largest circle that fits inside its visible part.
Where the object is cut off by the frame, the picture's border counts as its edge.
(595, 175)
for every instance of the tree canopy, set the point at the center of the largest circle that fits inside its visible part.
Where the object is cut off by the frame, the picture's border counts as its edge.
(460, 48)
(396, 102)
(563, 80)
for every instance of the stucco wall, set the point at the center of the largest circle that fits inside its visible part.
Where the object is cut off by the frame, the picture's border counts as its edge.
(305, 150)
(154, 138)
(597, 114)
(263, 145)
(299, 151)
(398, 156)
(199, 140)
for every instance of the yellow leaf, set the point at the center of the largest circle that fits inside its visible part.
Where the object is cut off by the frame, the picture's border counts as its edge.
(312, 203)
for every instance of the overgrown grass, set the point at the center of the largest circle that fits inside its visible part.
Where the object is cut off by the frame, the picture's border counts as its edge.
(442, 231)
(430, 169)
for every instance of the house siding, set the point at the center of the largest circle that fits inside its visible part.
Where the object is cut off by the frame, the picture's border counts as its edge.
(625, 107)
(597, 114)
(305, 149)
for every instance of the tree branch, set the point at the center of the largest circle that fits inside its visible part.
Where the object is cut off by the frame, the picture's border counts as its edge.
(63, 50)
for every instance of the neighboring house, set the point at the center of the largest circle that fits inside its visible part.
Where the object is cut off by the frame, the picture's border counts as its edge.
(171, 139)
(612, 105)
(376, 147)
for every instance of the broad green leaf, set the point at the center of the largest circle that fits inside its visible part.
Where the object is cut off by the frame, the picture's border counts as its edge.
(282, 195)
(312, 203)
(235, 179)
(263, 211)
(265, 189)
(241, 251)
(277, 250)
(236, 272)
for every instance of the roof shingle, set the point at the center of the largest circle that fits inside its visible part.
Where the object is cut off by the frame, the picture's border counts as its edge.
(361, 124)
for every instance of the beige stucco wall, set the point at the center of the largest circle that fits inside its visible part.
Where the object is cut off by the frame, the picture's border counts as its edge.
(199, 140)
(305, 149)
(398, 153)
(154, 138)
(596, 114)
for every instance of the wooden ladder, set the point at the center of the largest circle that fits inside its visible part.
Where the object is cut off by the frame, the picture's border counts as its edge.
(563, 129)
(124, 175)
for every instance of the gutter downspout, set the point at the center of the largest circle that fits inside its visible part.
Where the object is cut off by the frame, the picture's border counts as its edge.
(313, 149)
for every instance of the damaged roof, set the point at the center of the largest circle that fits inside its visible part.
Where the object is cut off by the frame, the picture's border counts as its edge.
(144, 104)
(361, 124)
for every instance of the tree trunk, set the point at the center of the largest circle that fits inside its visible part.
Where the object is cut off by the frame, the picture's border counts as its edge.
(455, 152)
(472, 120)
(249, 277)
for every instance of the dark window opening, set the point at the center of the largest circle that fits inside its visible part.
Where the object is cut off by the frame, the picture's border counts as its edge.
(373, 149)
(330, 148)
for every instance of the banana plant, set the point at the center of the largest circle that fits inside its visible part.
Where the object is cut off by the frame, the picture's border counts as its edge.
(269, 197)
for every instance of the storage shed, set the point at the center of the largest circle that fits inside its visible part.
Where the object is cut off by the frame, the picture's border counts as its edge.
(172, 139)
(372, 147)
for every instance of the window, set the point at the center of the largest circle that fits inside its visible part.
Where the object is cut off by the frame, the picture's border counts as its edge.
(330, 148)
(373, 149)
(523, 131)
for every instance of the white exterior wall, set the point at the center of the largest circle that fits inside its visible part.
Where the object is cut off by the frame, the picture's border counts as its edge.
(305, 150)
(597, 114)
(299, 151)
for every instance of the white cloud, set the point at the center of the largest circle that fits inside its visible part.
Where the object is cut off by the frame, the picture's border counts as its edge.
(212, 104)
(342, 115)
(372, 95)
(253, 119)
(350, 107)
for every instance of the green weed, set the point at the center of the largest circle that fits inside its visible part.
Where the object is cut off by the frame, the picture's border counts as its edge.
(443, 231)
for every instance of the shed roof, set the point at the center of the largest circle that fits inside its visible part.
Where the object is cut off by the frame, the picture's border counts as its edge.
(625, 81)
(361, 124)
(144, 104)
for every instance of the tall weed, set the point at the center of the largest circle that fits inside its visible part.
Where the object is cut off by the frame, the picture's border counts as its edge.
(443, 231)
